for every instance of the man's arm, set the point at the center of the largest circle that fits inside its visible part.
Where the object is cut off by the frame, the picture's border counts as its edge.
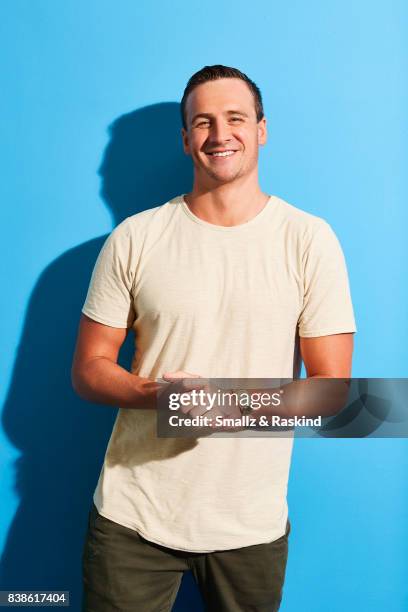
(327, 356)
(96, 375)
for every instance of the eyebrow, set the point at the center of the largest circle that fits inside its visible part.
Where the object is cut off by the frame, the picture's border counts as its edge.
(209, 115)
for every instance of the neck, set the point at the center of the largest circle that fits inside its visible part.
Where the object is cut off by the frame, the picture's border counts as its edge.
(227, 204)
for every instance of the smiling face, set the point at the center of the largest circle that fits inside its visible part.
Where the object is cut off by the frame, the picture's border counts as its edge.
(223, 135)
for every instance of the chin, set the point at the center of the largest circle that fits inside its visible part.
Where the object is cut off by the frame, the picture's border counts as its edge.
(226, 177)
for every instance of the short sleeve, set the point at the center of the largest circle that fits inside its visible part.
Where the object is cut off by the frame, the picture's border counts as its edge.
(109, 299)
(327, 307)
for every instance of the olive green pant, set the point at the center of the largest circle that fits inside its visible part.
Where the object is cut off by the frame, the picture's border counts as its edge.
(123, 572)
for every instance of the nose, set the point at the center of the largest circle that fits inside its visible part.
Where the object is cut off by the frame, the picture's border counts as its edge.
(220, 132)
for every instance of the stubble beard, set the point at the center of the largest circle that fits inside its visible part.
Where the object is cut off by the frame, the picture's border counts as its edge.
(221, 178)
(224, 179)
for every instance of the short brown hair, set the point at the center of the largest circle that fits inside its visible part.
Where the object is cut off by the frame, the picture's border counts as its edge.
(213, 73)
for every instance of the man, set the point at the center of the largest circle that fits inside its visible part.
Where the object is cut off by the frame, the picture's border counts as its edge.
(226, 282)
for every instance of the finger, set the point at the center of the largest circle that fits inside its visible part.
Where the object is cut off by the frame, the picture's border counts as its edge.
(169, 376)
(198, 411)
(188, 384)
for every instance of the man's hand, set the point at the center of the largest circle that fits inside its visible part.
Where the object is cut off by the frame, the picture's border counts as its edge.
(185, 382)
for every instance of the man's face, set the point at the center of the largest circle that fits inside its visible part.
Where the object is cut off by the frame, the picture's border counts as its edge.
(223, 135)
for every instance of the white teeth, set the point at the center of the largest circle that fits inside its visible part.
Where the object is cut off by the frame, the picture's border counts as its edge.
(223, 154)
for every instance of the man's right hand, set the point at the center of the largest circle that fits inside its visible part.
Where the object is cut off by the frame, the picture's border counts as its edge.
(183, 382)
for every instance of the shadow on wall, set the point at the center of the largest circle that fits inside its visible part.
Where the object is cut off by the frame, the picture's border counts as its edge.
(62, 439)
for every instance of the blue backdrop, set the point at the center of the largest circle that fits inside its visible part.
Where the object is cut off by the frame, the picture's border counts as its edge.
(90, 135)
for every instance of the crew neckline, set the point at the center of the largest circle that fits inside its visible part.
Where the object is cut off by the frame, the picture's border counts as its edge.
(226, 228)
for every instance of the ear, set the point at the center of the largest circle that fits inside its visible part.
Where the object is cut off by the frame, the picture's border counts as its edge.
(262, 132)
(186, 145)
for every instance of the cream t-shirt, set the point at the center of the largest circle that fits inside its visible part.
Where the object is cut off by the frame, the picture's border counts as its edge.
(222, 302)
